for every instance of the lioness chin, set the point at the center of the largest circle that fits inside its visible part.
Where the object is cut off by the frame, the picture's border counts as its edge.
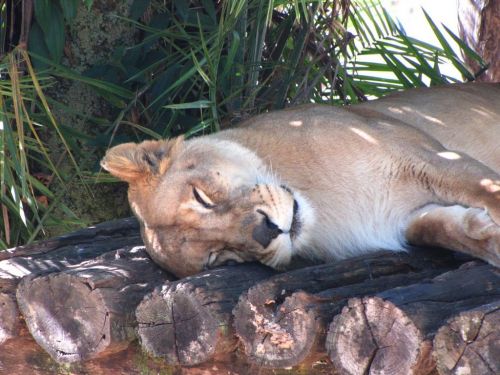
(420, 167)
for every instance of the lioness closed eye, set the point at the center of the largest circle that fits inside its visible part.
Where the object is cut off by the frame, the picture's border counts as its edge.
(420, 167)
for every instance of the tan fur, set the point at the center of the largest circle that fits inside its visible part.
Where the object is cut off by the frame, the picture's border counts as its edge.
(419, 167)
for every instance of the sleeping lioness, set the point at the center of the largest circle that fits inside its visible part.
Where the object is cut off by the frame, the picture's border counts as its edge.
(420, 167)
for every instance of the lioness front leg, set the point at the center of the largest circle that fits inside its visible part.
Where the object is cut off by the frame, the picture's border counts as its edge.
(469, 230)
(464, 181)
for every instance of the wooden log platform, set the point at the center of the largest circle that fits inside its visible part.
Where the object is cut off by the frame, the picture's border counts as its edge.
(392, 331)
(469, 343)
(279, 330)
(88, 310)
(91, 281)
(189, 321)
(54, 255)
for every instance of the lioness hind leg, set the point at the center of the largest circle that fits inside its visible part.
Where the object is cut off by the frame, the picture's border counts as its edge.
(465, 229)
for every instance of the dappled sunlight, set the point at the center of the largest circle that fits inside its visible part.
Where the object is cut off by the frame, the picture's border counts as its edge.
(490, 185)
(432, 119)
(395, 110)
(48, 323)
(429, 118)
(364, 135)
(450, 155)
(89, 272)
(10, 270)
(295, 123)
(137, 249)
(482, 111)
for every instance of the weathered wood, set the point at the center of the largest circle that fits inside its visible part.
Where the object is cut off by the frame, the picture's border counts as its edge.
(469, 343)
(93, 239)
(54, 255)
(276, 334)
(10, 325)
(87, 310)
(392, 332)
(189, 322)
(296, 332)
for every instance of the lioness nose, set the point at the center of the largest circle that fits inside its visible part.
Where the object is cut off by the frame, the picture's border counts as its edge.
(265, 231)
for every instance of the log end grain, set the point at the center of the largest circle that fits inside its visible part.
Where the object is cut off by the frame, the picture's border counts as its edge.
(374, 336)
(174, 325)
(10, 324)
(469, 343)
(87, 311)
(275, 334)
(64, 316)
(189, 322)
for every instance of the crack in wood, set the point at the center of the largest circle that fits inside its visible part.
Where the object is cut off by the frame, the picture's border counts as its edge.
(176, 347)
(485, 362)
(367, 369)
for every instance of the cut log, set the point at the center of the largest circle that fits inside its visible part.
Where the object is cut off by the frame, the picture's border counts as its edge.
(54, 255)
(10, 325)
(469, 343)
(296, 332)
(392, 332)
(87, 310)
(280, 332)
(189, 322)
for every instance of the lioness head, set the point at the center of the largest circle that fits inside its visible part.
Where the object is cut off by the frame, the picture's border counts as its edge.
(206, 202)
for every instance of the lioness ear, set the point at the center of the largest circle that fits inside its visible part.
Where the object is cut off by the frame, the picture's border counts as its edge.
(131, 162)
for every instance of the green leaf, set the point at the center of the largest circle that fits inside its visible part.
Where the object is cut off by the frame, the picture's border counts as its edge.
(69, 8)
(423, 65)
(49, 17)
(403, 73)
(450, 53)
(466, 49)
(37, 45)
(42, 13)
(138, 8)
(182, 79)
(62, 71)
(193, 105)
(88, 3)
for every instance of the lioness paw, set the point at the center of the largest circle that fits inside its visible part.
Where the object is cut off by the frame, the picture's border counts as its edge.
(492, 188)
(479, 225)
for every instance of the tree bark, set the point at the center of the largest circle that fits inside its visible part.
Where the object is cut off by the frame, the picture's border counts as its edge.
(470, 342)
(277, 331)
(189, 322)
(392, 332)
(479, 26)
(88, 310)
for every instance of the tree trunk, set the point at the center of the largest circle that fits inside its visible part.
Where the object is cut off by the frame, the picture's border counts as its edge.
(54, 255)
(469, 343)
(392, 332)
(189, 322)
(280, 332)
(479, 26)
(88, 310)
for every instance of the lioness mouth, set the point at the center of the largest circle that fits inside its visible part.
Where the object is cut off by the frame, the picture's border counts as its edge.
(296, 223)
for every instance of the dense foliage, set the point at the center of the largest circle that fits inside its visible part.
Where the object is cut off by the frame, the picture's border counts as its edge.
(195, 67)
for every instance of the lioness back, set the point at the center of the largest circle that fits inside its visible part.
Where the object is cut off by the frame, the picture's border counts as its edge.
(420, 167)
